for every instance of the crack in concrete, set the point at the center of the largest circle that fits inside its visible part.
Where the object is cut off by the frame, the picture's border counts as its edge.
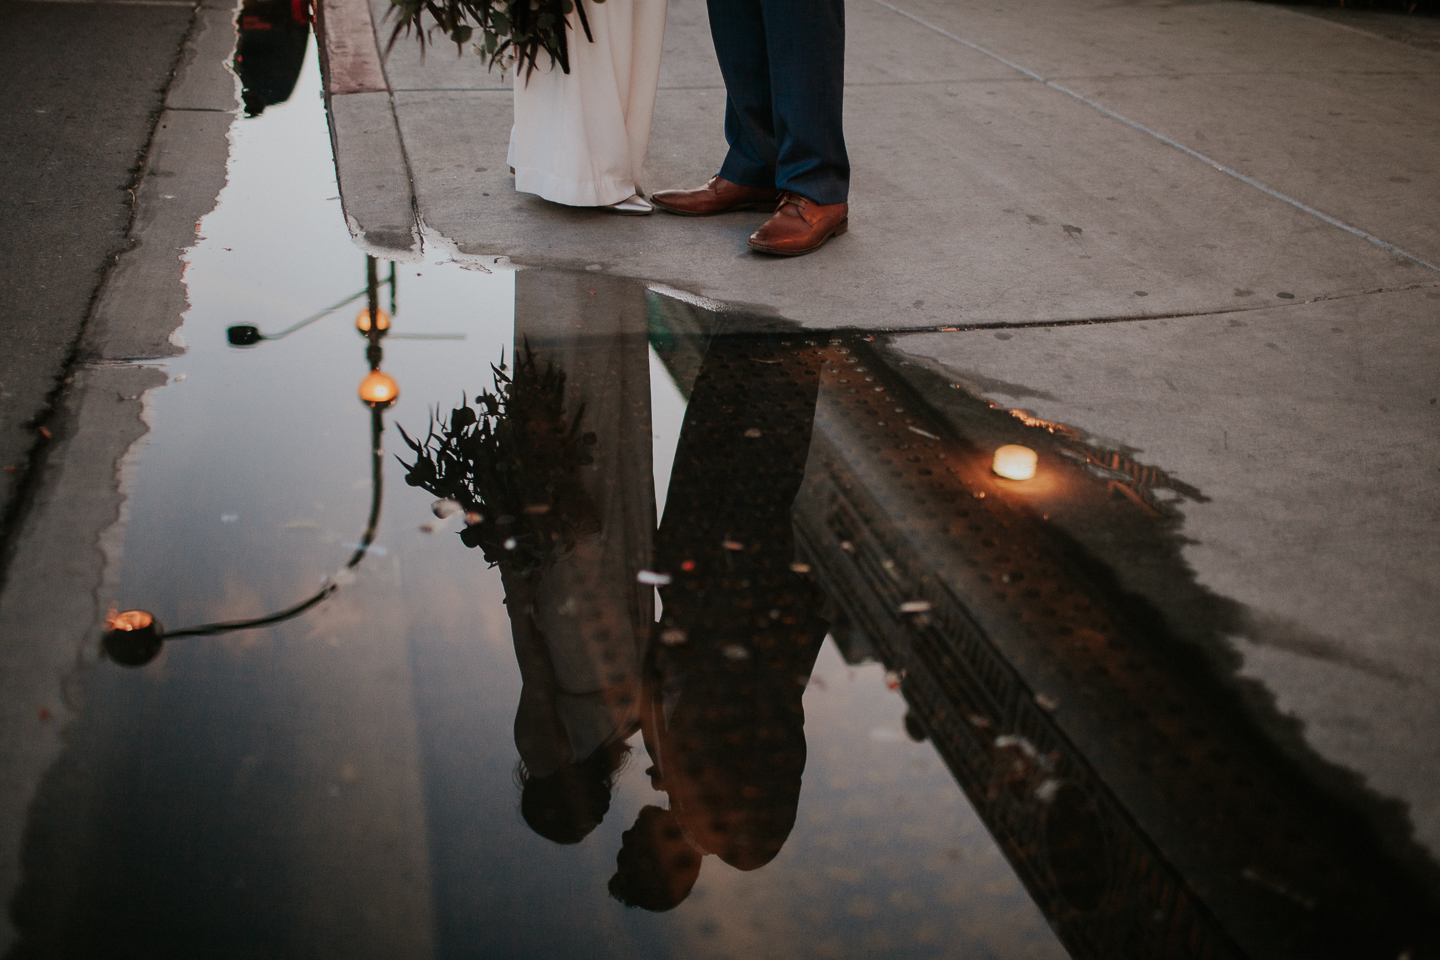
(1176, 315)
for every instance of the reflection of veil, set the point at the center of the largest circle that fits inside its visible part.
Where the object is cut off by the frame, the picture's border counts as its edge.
(561, 496)
(723, 719)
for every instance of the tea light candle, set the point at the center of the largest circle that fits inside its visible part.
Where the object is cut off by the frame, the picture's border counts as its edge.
(1014, 462)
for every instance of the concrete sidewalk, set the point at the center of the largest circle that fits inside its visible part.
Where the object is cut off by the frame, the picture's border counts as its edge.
(1200, 236)
(1054, 162)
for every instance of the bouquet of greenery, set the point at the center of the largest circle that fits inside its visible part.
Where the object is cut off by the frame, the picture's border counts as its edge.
(512, 32)
(511, 462)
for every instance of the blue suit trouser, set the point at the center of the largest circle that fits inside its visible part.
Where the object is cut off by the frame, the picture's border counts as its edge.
(784, 68)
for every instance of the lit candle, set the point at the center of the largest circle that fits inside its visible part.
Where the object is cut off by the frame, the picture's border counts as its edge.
(1014, 462)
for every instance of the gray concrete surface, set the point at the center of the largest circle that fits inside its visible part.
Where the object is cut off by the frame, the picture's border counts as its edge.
(82, 84)
(983, 196)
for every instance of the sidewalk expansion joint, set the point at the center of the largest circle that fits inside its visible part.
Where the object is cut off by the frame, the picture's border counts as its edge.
(453, 89)
(1141, 128)
(1141, 318)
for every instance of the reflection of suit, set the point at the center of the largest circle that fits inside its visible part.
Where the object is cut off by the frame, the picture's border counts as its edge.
(580, 627)
(724, 722)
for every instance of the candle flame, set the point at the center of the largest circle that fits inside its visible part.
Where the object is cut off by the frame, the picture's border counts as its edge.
(1014, 462)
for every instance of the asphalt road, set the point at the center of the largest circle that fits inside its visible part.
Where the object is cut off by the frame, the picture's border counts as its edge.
(82, 86)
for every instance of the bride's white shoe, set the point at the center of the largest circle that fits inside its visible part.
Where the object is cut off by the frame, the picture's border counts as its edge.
(635, 206)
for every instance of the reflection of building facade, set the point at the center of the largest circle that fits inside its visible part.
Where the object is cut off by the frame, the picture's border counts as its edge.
(1099, 880)
(1143, 809)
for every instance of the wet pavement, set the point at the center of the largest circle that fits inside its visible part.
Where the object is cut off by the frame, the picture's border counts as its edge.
(624, 622)
(346, 781)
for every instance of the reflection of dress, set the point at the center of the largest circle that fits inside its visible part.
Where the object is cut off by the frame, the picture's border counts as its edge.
(580, 138)
(582, 625)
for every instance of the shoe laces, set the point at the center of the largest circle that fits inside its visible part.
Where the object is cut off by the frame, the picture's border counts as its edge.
(802, 205)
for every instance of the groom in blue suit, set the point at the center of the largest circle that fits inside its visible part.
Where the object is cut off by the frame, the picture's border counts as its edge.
(784, 67)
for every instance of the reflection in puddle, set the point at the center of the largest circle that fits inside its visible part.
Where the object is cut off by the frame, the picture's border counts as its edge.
(536, 703)
(270, 52)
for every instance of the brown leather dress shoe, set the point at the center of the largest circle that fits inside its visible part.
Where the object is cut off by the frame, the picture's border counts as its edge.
(717, 196)
(800, 225)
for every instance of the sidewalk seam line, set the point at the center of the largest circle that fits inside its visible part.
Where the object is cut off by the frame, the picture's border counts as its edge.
(1222, 168)
(1362, 31)
(1176, 315)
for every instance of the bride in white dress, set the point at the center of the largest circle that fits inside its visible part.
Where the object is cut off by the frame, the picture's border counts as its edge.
(580, 138)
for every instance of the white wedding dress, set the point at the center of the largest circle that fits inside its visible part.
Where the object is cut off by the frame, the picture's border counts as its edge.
(580, 138)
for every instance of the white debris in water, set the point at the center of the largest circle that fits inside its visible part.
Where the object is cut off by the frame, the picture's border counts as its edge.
(652, 579)
(1015, 740)
(734, 651)
(915, 606)
(445, 509)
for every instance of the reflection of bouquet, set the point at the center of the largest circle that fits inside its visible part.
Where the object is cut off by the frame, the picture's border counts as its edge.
(512, 464)
(511, 31)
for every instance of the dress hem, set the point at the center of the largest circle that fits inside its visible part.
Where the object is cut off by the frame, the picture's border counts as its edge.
(573, 193)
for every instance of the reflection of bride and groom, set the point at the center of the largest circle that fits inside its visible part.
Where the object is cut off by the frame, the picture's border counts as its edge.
(715, 686)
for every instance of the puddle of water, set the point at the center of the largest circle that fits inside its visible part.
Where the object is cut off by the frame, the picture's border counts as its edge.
(346, 781)
(728, 627)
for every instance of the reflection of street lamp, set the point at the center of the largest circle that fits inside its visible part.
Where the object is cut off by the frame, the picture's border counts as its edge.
(379, 389)
(248, 335)
(245, 335)
(134, 637)
(362, 320)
